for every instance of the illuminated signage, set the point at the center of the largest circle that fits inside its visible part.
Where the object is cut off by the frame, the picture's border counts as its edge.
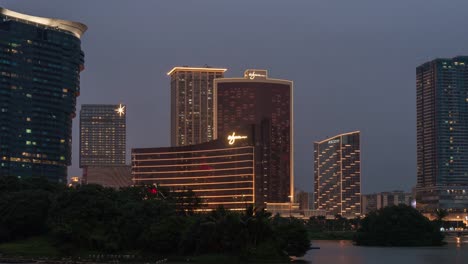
(253, 74)
(333, 141)
(232, 138)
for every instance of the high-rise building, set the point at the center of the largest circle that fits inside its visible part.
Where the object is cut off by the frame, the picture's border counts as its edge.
(337, 175)
(40, 64)
(103, 145)
(219, 172)
(442, 134)
(256, 102)
(102, 135)
(192, 104)
(375, 201)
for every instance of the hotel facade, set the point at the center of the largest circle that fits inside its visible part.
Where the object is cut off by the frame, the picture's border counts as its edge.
(103, 145)
(264, 106)
(40, 64)
(442, 135)
(337, 175)
(219, 172)
(192, 104)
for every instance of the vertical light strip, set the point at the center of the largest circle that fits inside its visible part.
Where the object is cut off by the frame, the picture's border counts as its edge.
(215, 108)
(291, 143)
(341, 175)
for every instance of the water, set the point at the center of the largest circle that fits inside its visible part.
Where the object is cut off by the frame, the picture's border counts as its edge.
(344, 252)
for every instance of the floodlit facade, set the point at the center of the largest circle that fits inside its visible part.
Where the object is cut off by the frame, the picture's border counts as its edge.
(264, 106)
(442, 135)
(192, 104)
(40, 64)
(337, 175)
(219, 172)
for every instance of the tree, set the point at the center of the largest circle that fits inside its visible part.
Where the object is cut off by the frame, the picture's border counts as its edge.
(399, 225)
(440, 214)
(291, 235)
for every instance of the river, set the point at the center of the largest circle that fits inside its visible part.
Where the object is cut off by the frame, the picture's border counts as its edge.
(344, 252)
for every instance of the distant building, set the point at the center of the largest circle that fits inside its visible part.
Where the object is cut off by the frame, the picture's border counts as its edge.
(109, 176)
(102, 135)
(337, 175)
(304, 199)
(103, 145)
(442, 135)
(220, 172)
(40, 64)
(266, 106)
(192, 104)
(375, 201)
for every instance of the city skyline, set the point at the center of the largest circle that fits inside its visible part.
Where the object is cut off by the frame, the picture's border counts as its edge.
(375, 89)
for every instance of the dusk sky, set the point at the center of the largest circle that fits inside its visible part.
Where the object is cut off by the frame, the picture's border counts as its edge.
(353, 65)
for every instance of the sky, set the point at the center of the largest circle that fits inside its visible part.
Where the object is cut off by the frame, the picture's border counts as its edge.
(353, 64)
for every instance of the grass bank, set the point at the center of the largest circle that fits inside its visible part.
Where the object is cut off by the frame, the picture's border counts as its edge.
(31, 247)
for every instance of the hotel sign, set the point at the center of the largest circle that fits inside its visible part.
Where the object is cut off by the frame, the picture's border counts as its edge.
(232, 138)
(333, 141)
(255, 74)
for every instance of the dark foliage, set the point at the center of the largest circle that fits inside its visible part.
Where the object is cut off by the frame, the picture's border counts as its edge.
(399, 225)
(140, 219)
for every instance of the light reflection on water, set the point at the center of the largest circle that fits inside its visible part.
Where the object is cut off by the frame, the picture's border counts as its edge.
(344, 252)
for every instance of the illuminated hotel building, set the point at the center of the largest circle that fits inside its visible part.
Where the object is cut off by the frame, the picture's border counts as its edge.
(337, 175)
(103, 145)
(220, 172)
(442, 135)
(40, 64)
(102, 135)
(266, 106)
(192, 104)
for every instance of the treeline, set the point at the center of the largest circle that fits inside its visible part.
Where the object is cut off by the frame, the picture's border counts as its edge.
(400, 225)
(140, 219)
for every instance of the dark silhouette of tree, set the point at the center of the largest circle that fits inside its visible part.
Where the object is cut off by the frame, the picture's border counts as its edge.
(400, 225)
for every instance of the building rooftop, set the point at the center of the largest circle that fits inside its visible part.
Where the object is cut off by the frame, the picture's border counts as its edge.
(186, 68)
(76, 28)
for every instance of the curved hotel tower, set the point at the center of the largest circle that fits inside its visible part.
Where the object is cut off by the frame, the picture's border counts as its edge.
(337, 175)
(265, 106)
(40, 64)
(220, 172)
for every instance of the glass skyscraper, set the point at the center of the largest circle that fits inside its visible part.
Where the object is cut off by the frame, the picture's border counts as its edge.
(442, 134)
(40, 64)
(337, 175)
(192, 104)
